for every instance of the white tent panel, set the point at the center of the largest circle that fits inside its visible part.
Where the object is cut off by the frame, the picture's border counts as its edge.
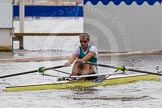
(123, 28)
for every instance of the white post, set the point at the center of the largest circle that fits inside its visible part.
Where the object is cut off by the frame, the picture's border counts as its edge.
(21, 26)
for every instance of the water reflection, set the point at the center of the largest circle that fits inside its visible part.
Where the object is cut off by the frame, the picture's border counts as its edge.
(113, 98)
(85, 90)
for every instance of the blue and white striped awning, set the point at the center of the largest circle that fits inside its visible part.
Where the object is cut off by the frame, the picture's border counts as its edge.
(128, 2)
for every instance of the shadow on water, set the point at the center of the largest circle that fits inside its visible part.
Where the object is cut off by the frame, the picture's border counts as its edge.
(114, 98)
(93, 94)
(90, 93)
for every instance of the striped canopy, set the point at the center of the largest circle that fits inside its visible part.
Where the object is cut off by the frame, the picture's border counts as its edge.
(128, 2)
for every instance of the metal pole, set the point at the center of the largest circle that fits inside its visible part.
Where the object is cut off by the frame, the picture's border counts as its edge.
(21, 26)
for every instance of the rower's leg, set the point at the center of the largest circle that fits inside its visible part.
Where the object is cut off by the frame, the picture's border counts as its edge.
(80, 69)
(92, 69)
(75, 69)
(85, 69)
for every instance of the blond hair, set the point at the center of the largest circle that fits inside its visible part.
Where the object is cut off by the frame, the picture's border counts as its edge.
(84, 35)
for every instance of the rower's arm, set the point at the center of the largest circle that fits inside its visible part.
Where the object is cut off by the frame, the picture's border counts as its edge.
(88, 56)
(72, 58)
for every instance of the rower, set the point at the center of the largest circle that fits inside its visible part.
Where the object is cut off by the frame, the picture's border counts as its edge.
(86, 52)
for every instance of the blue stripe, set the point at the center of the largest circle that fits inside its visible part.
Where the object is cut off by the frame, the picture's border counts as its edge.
(128, 2)
(50, 11)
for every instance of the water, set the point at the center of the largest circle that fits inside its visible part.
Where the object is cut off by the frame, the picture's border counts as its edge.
(142, 93)
(145, 94)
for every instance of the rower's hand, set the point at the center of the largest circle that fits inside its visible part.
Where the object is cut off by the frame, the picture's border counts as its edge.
(67, 64)
(80, 61)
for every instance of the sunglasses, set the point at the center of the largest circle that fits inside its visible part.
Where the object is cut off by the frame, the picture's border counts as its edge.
(83, 41)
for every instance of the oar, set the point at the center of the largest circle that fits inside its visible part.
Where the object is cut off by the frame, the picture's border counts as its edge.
(123, 68)
(41, 70)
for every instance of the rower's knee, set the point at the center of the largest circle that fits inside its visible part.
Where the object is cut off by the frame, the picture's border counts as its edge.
(77, 63)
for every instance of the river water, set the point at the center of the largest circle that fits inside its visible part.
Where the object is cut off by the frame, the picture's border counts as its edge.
(144, 94)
